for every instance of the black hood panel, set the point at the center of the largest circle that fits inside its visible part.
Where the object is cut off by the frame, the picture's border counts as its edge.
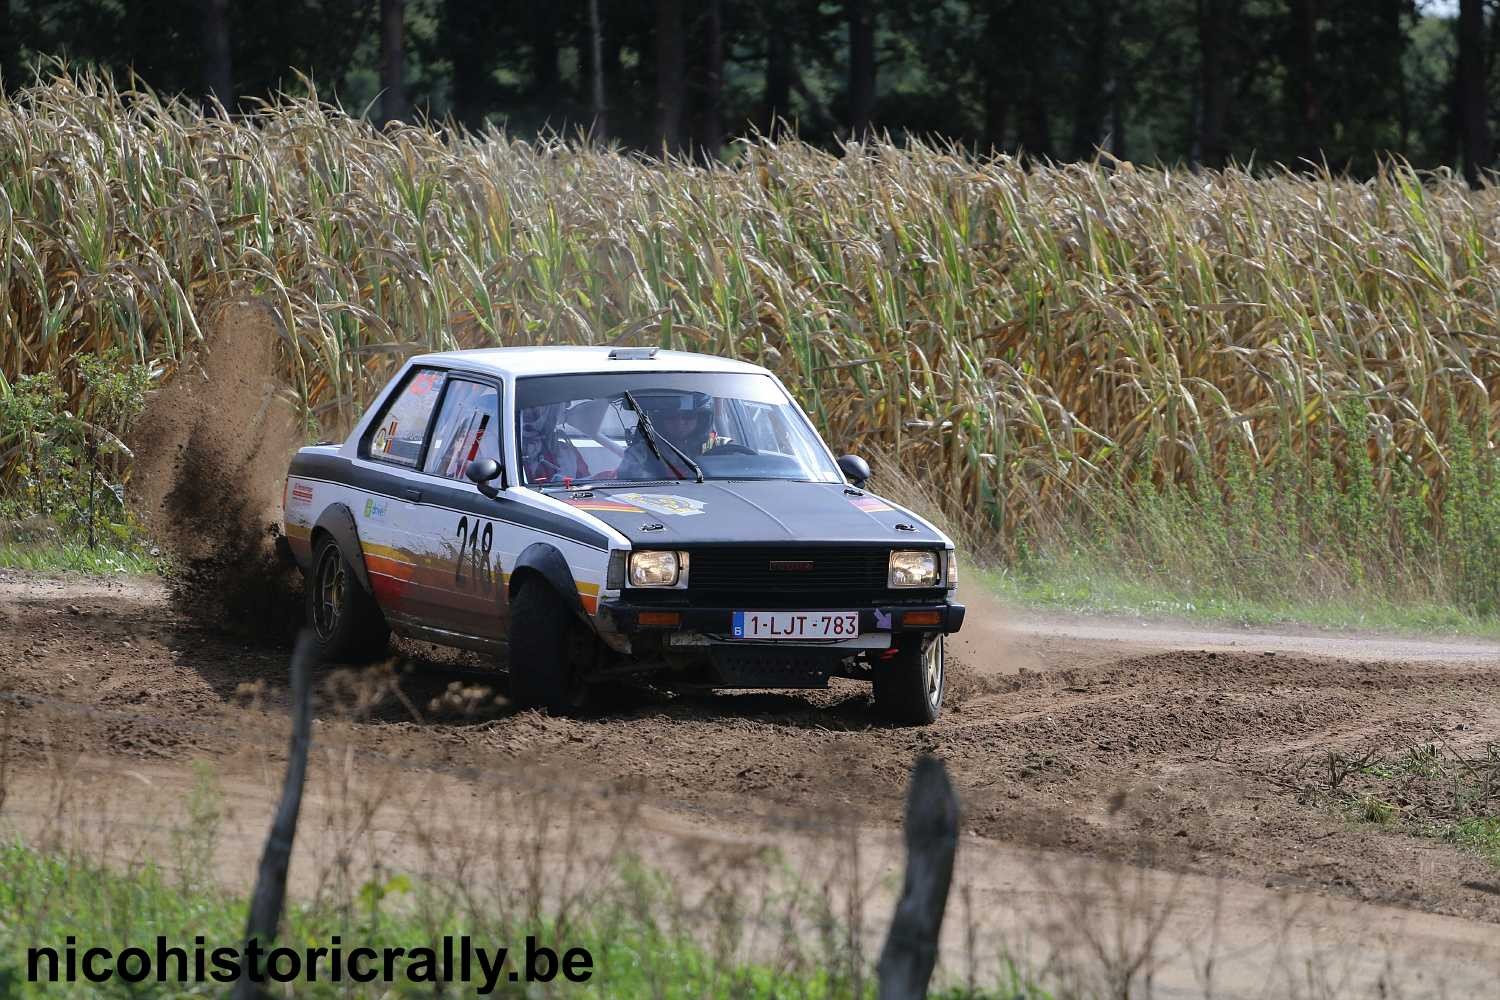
(752, 512)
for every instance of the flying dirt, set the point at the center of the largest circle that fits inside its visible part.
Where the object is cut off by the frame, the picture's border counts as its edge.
(210, 458)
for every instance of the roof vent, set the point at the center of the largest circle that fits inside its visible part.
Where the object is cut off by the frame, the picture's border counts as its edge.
(633, 353)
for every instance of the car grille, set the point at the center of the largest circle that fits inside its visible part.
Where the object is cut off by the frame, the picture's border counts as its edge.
(801, 569)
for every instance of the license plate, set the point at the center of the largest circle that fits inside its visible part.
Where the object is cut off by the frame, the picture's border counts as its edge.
(796, 624)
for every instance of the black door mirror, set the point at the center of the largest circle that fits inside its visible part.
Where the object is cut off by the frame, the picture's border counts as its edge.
(855, 469)
(482, 472)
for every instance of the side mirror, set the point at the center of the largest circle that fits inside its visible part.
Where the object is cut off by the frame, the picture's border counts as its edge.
(855, 469)
(482, 472)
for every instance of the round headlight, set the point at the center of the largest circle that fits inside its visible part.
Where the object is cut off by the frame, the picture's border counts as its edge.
(654, 569)
(913, 568)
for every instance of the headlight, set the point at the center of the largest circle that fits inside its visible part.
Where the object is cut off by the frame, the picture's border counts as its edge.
(952, 569)
(656, 569)
(913, 568)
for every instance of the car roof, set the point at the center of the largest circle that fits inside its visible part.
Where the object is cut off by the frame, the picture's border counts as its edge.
(557, 360)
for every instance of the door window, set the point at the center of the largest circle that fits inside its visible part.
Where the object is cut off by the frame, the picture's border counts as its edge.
(467, 428)
(398, 433)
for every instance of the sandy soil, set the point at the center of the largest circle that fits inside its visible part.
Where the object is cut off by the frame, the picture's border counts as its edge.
(1107, 772)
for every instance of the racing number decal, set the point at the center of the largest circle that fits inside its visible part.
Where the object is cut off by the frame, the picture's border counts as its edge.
(474, 546)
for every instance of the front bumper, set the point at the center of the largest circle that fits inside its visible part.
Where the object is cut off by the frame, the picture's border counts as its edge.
(625, 618)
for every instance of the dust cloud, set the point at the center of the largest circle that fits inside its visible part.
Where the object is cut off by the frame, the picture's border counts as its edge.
(211, 454)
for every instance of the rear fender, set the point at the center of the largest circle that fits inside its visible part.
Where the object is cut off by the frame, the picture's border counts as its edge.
(338, 520)
(546, 561)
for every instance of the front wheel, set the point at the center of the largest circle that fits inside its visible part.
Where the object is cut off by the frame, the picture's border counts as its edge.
(909, 685)
(548, 650)
(346, 622)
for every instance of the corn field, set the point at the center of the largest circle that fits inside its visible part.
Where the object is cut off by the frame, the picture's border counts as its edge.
(1024, 337)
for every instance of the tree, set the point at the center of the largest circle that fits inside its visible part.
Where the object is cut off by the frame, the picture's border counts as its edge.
(393, 61)
(861, 18)
(712, 132)
(670, 74)
(1473, 107)
(1216, 25)
(467, 36)
(1095, 81)
(1304, 133)
(10, 47)
(600, 126)
(217, 60)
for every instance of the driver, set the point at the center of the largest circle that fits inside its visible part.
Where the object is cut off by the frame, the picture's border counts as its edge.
(547, 456)
(683, 418)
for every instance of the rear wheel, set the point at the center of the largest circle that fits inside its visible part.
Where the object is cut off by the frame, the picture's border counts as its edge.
(346, 622)
(548, 650)
(909, 685)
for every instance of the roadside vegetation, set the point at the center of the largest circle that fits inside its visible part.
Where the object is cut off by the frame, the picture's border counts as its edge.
(1247, 386)
(1428, 789)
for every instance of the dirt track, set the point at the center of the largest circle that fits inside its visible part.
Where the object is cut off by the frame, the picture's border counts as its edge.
(1058, 739)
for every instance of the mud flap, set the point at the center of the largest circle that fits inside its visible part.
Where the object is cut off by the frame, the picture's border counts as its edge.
(338, 520)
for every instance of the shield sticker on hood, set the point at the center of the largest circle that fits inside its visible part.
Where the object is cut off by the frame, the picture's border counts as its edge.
(664, 503)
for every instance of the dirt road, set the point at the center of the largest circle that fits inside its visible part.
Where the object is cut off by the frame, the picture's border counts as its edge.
(1191, 758)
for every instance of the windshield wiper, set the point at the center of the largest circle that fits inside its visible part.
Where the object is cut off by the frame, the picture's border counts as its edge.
(644, 422)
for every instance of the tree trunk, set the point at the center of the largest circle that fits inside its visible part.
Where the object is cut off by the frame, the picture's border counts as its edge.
(1302, 81)
(600, 130)
(778, 97)
(997, 95)
(670, 73)
(466, 33)
(1090, 105)
(1215, 22)
(713, 81)
(861, 66)
(1473, 110)
(217, 61)
(543, 27)
(392, 61)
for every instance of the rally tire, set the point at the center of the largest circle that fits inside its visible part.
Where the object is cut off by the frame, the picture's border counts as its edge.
(544, 667)
(345, 621)
(909, 686)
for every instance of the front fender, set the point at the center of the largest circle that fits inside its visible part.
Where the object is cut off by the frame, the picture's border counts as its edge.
(338, 520)
(552, 565)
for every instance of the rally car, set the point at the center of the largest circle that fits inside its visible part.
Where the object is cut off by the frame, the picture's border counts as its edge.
(598, 513)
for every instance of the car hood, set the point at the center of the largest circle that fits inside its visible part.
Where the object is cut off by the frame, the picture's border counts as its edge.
(754, 511)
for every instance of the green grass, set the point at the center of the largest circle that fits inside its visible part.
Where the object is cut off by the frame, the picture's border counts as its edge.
(47, 897)
(77, 557)
(1080, 587)
(1480, 835)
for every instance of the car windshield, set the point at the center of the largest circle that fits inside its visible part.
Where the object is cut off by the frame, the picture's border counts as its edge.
(583, 428)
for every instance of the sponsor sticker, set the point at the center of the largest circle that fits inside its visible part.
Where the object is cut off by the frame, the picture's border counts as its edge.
(374, 509)
(302, 493)
(603, 504)
(870, 505)
(664, 503)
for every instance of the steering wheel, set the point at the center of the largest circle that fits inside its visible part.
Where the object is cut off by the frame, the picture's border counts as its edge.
(731, 448)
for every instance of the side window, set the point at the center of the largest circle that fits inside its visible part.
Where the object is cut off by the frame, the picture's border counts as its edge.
(467, 428)
(399, 431)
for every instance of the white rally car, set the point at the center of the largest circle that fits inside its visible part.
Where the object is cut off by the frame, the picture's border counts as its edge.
(598, 512)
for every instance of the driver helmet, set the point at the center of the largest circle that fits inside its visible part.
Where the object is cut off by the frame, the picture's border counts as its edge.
(682, 417)
(539, 425)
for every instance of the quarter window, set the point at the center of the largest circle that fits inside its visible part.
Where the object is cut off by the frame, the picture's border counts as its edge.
(398, 433)
(467, 428)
